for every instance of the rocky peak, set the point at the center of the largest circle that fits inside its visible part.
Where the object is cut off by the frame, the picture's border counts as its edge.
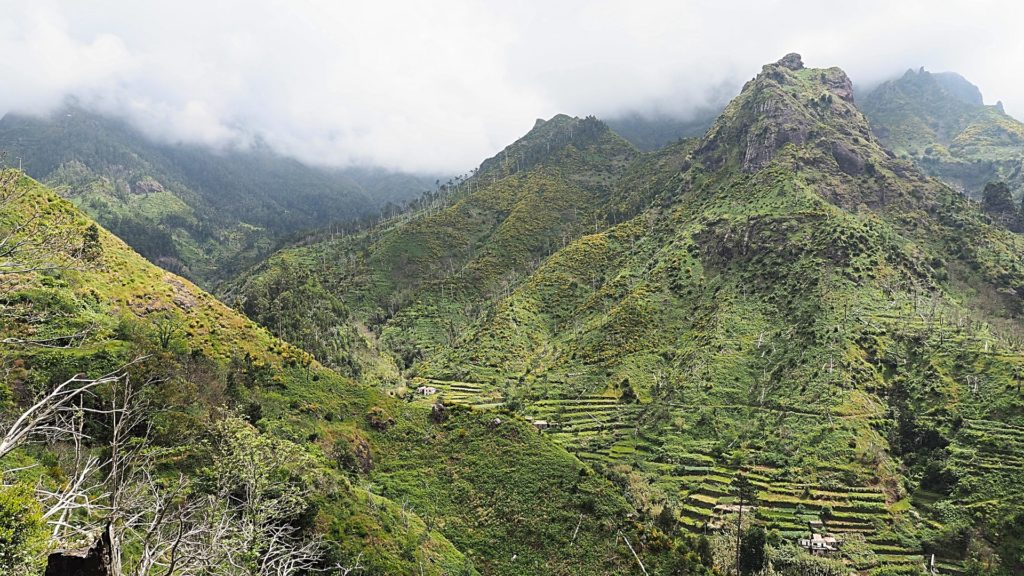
(785, 104)
(793, 61)
(838, 83)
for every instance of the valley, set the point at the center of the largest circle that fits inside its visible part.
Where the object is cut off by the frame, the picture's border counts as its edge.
(786, 341)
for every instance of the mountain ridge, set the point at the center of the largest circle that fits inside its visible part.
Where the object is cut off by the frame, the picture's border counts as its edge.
(941, 122)
(759, 309)
(400, 487)
(194, 210)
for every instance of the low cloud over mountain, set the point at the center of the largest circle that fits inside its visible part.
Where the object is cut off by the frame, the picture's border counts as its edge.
(436, 86)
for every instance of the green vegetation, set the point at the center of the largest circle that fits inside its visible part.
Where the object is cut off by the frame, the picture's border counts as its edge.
(198, 213)
(579, 358)
(238, 431)
(940, 121)
(22, 531)
(782, 299)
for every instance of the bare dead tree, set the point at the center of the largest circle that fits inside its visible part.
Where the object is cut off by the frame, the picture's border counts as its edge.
(238, 528)
(81, 495)
(51, 416)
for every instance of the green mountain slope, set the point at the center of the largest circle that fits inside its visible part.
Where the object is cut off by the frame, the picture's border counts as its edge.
(419, 279)
(399, 489)
(940, 121)
(195, 211)
(782, 298)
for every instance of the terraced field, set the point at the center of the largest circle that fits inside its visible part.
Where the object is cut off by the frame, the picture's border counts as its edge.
(857, 514)
(586, 417)
(469, 393)
(603, 431)
(994, 447)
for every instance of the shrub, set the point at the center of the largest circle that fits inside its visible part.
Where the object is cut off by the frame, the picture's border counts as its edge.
(22, 531)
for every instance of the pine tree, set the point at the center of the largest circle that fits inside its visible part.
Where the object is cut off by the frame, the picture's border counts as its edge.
(92, 250)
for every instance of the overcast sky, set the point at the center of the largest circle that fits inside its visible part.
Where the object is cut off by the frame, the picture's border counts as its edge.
(440, 85)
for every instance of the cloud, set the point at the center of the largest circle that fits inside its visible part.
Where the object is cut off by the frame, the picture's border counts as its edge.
(441, 85)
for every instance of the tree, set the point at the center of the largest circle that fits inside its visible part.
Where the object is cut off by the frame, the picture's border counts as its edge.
(91, 248)
(51, 416)
(34, 236)
(167, 327)
(1011, 542)
(745, 492)
(667, 518)
(752, 551)
(628, 393)
(239, 517)
(704, 551)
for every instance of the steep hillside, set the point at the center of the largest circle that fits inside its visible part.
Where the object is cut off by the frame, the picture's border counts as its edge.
(782, 300)
(808, 310)
(419, 279)
(941, 122)
(391, 486)
(192, 210)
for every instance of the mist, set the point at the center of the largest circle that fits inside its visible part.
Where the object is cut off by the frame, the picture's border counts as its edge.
(439, 86)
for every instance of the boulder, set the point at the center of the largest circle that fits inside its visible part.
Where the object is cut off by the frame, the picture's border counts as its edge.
(847, 159)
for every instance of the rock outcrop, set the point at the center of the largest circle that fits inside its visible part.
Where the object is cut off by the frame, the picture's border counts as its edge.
(96, 560)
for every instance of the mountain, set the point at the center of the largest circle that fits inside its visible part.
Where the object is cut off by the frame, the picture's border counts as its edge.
(650, 133)
(941, 122)
(192, 210)
(782, 300)
(389, 486)
(435, 267)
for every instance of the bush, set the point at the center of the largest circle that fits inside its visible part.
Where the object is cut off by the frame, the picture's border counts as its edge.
(379, 419)
(22, 531)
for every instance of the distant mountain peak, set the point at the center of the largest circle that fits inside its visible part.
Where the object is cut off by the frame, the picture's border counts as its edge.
(545, 138)
(939, 84)
(940, 120)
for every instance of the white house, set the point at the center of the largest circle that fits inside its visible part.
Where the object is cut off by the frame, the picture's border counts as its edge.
(819, 545)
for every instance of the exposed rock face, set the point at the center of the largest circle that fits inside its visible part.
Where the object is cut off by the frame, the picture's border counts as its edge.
(379, 419)
(438, 413)
(97, 560)
(773, 123)
(183, 297)
(787, 104)
(839, 84)
(780, 127)
(793, 61)
(147, 186)
(364, 456)
(848, 159)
